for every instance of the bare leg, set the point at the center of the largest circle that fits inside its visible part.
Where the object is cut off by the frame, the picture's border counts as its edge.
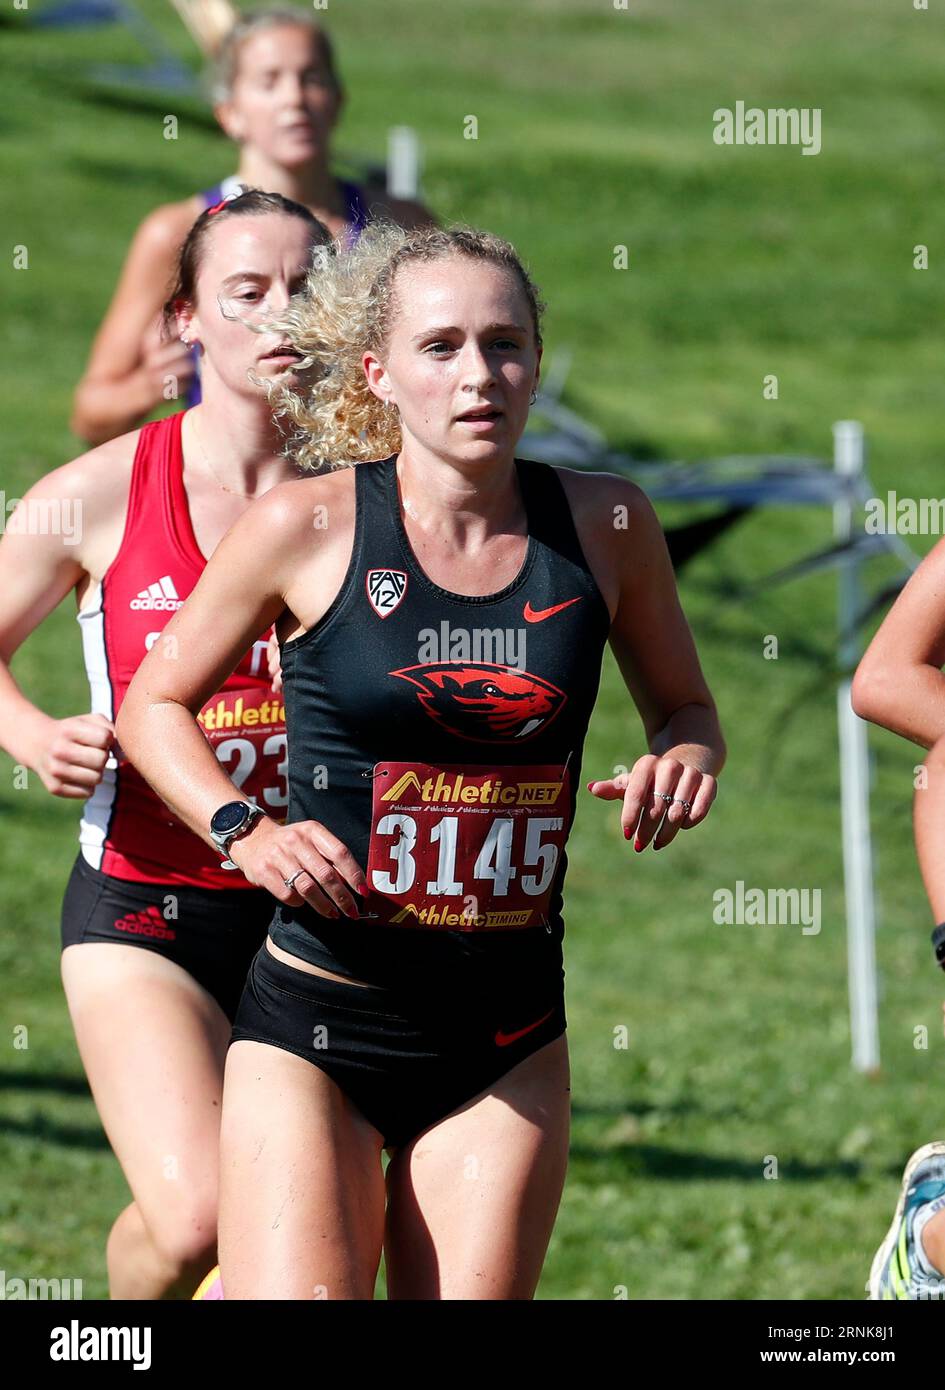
(153, 1044)
(933, 1239)
(473, 1200)
(140, 1268)
(302, 1191)
(928, 818)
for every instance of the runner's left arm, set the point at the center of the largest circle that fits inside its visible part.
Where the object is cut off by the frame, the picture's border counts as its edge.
(655, 652)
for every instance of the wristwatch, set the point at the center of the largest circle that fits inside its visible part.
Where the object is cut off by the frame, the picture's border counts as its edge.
(938, 944)
(229, 822)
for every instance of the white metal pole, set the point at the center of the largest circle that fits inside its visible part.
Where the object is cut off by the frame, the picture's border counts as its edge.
(403, 162)
(854, 775)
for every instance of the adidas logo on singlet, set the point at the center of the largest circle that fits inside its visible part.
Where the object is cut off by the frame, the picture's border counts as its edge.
(160, 595)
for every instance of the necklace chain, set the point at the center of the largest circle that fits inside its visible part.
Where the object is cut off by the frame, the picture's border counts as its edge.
(246, 496)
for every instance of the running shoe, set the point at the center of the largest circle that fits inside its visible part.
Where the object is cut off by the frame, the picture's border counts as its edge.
(897, 1271)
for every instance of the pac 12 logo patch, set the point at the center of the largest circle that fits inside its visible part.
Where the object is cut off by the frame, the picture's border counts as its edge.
(385, 589)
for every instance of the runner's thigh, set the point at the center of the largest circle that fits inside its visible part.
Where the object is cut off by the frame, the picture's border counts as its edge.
(153, 1044)
(473, 1200)
(302, 1191)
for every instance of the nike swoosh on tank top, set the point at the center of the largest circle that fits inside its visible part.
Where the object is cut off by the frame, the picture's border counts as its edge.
(440, 737)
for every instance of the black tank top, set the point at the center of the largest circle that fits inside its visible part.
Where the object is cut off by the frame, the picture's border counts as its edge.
(439, 736)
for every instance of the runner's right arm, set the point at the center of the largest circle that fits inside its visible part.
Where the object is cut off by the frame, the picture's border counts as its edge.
(39, 566)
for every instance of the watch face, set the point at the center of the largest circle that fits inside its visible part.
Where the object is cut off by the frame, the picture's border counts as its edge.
(229, 817)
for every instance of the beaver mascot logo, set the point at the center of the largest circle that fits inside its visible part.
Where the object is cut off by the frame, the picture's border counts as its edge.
(487, 704)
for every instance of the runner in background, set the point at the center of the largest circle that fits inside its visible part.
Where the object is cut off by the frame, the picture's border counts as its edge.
(157, 934)
(278, 96)
(900, 685)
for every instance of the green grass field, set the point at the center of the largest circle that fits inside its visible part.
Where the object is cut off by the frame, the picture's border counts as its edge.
(595, 130)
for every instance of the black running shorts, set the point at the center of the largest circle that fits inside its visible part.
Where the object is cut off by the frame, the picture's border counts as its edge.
(213, 936)
(409, 1056)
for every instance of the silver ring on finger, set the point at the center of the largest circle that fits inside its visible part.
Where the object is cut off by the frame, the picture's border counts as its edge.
(298, 874)
(665, 796)
(687, 804)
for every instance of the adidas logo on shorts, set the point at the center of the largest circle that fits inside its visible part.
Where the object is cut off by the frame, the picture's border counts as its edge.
(146, 923)
(161, 595)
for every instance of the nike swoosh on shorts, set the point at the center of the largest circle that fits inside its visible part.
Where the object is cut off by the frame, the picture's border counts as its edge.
(503, 1039)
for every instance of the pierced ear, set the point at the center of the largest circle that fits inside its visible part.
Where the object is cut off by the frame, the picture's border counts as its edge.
(537, 386)
(184, 319)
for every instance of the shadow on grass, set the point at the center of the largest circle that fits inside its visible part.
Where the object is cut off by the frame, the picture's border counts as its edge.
(39, 1127)
(650, 1160)
(635, 1110)
(42, 1127)
(48, 1082)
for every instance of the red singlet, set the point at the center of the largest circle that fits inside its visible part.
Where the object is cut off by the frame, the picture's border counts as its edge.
(126, 830)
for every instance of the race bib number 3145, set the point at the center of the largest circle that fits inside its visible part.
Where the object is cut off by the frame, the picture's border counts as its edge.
(466, 849)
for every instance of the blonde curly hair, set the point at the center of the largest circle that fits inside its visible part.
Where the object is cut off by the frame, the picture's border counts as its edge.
(347, 309)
